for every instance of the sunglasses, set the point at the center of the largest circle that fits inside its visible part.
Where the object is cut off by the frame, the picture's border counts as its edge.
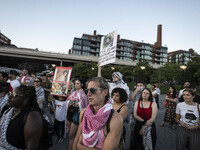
(14, 94)
(92, 90)
(36, 81)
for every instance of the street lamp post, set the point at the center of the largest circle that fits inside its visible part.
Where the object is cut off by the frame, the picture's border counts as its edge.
(113, 68)
(142, 68)
(183, 67)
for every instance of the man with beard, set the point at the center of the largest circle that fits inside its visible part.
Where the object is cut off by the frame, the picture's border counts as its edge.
(24, 78)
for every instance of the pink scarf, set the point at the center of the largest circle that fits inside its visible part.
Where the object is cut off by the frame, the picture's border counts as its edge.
(79, 96)
(92, 124)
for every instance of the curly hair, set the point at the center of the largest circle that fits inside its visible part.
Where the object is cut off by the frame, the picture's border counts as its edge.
(122, 93)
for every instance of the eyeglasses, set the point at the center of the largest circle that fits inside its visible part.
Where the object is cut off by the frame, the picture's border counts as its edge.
(14, 94)
(36, 81)
(92, 90)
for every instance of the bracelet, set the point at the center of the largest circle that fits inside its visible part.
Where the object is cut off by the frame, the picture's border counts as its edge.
(178, 121)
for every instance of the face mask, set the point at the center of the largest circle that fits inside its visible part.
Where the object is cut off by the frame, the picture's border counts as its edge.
(115, 79)
(141, 89)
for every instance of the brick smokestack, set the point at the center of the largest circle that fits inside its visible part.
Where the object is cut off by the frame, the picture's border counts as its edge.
(118, 37)
(95, 32)
(159, 36)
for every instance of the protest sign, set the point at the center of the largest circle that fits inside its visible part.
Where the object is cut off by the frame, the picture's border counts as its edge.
(108, 48)
(61, 81)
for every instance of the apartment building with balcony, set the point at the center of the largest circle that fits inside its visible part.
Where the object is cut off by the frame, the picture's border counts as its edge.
(181, 57)
(127, 50)
(5, 41)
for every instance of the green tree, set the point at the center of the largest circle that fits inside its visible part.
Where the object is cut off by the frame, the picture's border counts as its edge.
(169, 72)
(192, 73)
(127, 72)
(84, 70)
(145, 74)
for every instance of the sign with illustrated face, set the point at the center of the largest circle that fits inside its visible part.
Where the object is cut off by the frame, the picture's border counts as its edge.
(108, 48)
(61, 81)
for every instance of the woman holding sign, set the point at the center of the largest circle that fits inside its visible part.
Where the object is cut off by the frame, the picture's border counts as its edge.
(76, 101)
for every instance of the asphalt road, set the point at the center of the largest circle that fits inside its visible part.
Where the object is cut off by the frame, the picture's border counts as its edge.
(166, 137)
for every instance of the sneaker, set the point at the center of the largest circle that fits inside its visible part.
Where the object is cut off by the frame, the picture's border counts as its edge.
(60, 140)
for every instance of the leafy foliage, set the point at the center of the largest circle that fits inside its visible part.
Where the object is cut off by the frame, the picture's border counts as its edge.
(140, 74)
(169, 72)
(193, 71)
(84, 70)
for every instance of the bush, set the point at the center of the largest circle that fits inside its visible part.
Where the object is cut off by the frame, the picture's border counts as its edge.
(131, 86)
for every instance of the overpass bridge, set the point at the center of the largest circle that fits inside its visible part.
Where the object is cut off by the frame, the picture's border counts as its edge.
(16, 55)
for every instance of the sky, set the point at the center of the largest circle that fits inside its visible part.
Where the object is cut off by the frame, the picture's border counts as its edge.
(51, 25)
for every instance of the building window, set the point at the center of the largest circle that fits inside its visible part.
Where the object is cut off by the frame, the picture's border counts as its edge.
(85, 37)
(86, 54)
(86, 43)
(86, 48)
(93, 39)
(77, 41)
(77, 47)
(77, 52)
(186, 54)
(127, 49)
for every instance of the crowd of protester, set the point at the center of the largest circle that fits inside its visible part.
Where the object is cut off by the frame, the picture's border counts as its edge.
(93, 115)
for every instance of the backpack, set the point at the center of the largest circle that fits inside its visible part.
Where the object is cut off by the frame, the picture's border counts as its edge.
(46, 139)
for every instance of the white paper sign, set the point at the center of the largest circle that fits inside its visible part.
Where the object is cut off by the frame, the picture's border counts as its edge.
(108, 48)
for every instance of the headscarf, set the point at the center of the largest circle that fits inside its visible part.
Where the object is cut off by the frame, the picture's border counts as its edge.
(119, 76)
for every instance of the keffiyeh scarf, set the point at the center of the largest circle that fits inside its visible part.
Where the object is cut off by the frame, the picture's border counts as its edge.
(3, 102)
(119, 76)
(79, 96)
(93, 123)
(4, 122)
(147, 141)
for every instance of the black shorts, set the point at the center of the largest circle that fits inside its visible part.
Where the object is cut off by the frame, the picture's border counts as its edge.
(71, 112)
